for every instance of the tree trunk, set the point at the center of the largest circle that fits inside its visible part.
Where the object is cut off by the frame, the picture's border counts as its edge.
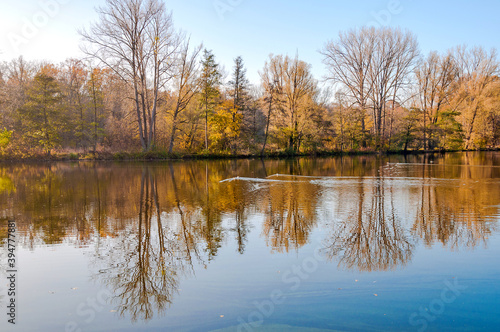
(267, 125)
(172, 136)
(206, 128)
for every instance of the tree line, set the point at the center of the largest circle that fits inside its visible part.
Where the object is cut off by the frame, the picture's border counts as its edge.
(144, 87)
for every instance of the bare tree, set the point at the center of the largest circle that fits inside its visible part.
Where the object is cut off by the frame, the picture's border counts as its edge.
(187, 71)
(373, 65)
(406, 60)
(395, 56)
(349, 61)
(136, 39)
(294, 80)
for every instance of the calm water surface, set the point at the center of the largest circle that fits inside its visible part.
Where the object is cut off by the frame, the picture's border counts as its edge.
(339, 244)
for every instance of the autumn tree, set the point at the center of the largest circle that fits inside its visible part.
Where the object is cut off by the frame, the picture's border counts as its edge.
(136, 40)
(270, 83)
(435, 78)
(73, 77)
(490, 127)
(226, 125)
(95, 88)
(477, 72)
(297, 88)
(186, 85)
(347, 123)
(3, 94)
(17, 76)
(41, 115)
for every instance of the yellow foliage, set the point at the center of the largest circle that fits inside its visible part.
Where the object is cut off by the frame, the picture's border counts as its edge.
(226, 125)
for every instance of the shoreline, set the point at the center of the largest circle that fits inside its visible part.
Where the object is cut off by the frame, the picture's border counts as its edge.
(153, 156)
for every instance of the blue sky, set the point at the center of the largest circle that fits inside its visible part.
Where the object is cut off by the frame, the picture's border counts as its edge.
(256, 28)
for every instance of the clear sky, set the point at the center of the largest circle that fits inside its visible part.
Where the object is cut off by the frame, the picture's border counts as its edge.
(47, 29)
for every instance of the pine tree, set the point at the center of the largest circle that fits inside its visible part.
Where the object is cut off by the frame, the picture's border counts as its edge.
(41, 114)
(239, 93)
(239, 85)
(209, 85)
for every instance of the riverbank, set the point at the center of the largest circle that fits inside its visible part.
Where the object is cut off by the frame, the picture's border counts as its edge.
(162, 155)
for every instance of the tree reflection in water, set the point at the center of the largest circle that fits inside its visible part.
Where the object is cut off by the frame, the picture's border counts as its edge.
(458, 215)
(290, 213)
(144, 266)
(371, 236)
(153, 224)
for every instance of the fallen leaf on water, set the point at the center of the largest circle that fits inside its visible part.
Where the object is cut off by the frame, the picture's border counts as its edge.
(356, 280)
(375, 294)
(221, 316)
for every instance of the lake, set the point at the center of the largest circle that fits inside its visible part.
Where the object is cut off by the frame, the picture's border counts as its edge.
(361, 243)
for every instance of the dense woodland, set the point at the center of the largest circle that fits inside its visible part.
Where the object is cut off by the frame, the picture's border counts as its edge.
(144, 87)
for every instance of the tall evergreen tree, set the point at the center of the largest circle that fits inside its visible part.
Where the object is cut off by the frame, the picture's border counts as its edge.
(41, 115)
(239, 85)
(210, 81)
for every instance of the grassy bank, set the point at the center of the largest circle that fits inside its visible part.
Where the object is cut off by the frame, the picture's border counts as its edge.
(163, 155)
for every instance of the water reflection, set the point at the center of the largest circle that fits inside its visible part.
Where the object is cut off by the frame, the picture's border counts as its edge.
(153, 224)
(457, 215)
(371, 235)
(144, 265)
(290, 210)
